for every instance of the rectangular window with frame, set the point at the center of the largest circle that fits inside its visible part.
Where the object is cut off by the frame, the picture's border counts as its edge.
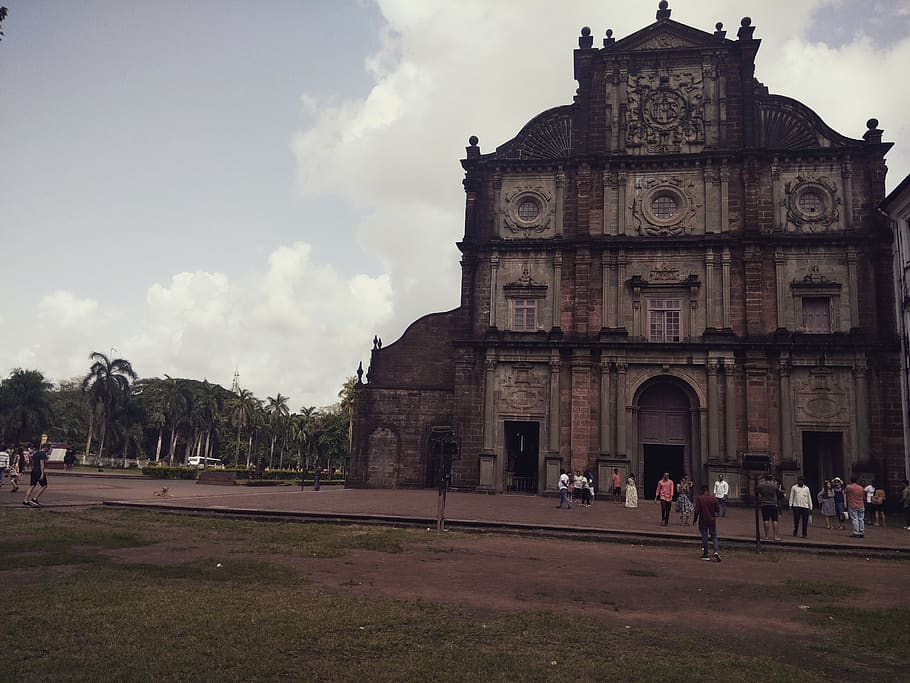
(817, 314)
(524, 315)
(664, 320)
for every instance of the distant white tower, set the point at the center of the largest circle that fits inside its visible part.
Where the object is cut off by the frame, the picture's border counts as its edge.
(235, 387)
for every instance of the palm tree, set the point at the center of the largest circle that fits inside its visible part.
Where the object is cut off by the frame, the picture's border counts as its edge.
(107, 383)
(306, 432)
(176, 403)
(278, 412)
(206, 407)
(242, 408)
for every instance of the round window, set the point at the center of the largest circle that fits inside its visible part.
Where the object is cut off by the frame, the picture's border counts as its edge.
(528, 210)
(664, 206)
(812, 202)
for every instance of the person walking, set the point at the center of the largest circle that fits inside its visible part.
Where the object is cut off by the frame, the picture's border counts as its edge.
(632, 492)
(664, 494)
(4, 463)
(39, 478)
(707, 507)
(684, 500)
(855, 497)
(840, 506)
(617, 485)
(564, 490)
(801, 504)
(878, 504)
(766, 492)
(14, 468)
(826, 504)
(721, 491)
(868, 491)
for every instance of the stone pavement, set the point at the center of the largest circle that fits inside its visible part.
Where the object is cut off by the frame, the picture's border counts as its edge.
(517, 512)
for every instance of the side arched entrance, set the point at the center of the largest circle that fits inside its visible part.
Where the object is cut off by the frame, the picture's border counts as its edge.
(667, 419)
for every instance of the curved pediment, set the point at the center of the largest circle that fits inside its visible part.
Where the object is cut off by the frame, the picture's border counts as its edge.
(546, 136)
(785, 123)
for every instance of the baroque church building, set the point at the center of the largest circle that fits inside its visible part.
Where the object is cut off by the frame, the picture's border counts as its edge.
(677, 272)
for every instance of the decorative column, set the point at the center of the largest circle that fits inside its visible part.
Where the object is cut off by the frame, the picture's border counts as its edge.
(776, 204)
(862, 409)
(489, 397)
(620, 287)
(557, 288)
(786, 411)
(604, 406)
(620, 409)
(724, 197)
(560, 195)
(622, 176)
(494, 269)
(710, 312)
(609, 183)
(554, 402)
(606, 317)
(497, 198)
(846, 172)
(854, 288)
(730, 410)
(713, 409)
(725, 272)
(781, 288)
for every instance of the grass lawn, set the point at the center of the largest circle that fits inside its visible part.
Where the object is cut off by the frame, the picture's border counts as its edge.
(242, 611)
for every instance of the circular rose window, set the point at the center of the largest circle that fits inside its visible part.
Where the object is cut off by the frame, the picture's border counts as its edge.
(811, 202)
(664, 206)
(528, 210)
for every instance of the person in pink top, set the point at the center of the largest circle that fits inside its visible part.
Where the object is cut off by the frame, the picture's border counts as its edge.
(664, 494)
(855, 498)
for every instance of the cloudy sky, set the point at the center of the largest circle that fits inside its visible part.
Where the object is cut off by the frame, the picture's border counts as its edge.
(218, 185)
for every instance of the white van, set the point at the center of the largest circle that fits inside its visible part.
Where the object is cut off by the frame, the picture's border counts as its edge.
(201, 463)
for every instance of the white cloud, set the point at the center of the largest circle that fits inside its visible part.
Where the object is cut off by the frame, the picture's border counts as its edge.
(62, 309)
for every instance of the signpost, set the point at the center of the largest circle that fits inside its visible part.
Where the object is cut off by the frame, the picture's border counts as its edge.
(444, 449)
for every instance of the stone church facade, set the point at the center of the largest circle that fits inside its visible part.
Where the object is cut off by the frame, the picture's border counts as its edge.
(676, 272)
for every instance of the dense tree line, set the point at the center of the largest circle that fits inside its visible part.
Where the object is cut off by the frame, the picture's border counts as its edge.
(113, 416)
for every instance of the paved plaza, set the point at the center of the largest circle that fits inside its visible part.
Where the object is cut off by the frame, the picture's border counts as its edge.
(521, 512)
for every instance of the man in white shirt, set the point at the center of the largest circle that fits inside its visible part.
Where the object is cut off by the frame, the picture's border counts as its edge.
(721, 490)
(801, 504)
(4, 463)
(564, 490)
(870, 510)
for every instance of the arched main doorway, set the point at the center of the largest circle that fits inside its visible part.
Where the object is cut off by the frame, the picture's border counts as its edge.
(664, 433)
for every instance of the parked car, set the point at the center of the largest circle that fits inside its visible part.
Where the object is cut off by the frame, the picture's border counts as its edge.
(200, 462)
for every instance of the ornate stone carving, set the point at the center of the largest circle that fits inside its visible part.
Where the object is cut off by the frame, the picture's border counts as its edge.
(812, 203)
(523, 389)
(663, 41)
(820, 397)
(528, 210)
(665, 272)
(525, 286)
(664, 206)
(665, 112)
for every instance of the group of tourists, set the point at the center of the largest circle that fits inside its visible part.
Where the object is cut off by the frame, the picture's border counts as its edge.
(857, 502)
(13, 463)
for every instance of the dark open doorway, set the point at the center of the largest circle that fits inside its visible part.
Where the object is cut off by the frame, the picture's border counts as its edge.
(660, 458)
(522, 456)
(823, 458)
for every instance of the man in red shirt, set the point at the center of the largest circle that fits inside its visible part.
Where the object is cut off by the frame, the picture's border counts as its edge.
(617, 485)
(664, 493)
(707, 507)
(855, 498)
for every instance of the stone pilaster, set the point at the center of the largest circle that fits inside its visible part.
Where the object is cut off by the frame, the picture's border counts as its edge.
(604, 406)
(489, 401)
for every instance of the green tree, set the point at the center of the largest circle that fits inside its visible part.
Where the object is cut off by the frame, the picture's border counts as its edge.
(277, 409)
(25, 409)
(107, 384)
(242, 409)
